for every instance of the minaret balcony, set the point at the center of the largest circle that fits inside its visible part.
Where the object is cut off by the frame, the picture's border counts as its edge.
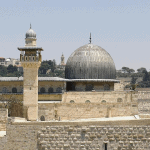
(24, 58)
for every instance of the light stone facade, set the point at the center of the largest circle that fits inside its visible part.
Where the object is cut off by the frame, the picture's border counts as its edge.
(30, 87)
(78, 135)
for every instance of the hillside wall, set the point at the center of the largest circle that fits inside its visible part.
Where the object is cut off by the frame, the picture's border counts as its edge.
(117, 135)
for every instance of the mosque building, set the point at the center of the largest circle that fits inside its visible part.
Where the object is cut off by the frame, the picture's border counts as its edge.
(90, 78)
(88, 109)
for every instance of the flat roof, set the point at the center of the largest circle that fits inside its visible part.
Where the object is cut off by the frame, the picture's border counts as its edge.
(94, 80)
(30, 48)
(39, 79)
(59, 79)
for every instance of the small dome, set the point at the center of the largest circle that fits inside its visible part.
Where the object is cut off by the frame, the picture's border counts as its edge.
(30, 33)
(90, 62)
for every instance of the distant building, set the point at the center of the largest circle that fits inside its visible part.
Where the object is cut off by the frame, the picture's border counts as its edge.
(62, 63)
(12, 61)
(2, 61)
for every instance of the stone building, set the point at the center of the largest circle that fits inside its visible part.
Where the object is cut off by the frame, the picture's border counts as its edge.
(88, 109)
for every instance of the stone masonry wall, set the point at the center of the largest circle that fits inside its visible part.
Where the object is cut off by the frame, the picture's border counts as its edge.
(144, 106)
(117, 135)
(73, 111)
(3, 118)
(98, 97)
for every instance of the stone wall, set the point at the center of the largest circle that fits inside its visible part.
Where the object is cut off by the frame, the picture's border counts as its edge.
(117, 135)
(143, 94)
(144, 106)
(3, 118)
(98, 97)
(73, 111)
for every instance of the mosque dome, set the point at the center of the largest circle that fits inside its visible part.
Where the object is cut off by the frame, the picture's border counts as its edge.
(90, 62)
(30, 33)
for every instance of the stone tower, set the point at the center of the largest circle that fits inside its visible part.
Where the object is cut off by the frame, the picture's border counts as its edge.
(30, 59)
(62, 60)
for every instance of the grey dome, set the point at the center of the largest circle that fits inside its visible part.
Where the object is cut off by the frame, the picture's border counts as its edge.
(30, 33)
(90, 62)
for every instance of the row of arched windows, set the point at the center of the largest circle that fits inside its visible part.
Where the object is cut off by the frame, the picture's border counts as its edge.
(42, 90)
(119, 100)
(51, 90)
(87, 101)
(13, 90)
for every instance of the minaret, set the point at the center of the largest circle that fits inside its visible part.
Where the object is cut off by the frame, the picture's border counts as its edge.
(30, 59)
(62, 60)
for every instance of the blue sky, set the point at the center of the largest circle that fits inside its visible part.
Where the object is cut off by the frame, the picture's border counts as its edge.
(121, 27)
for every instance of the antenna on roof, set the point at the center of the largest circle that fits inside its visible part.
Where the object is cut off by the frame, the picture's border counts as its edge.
(30, 25)
(90, 38)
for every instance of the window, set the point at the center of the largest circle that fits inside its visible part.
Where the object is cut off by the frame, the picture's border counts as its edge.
(42, 90)
(14, 90)
(89, 87)
(119, 100)
(72, 101)
(106, 87)
(59, 90)
(42, 118)
(87, 101)
(50, 90)
(103, 101)
(4, 90)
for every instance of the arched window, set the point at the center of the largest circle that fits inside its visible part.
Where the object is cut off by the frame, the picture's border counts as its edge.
(103, 101)
(50, 90)
(106, 87)
(119, 100)
(89, 87)
(42, 118)
(42, 90)
(59, 90)
(14, 90)
(87, 101)
(72, 101)
(4, 90)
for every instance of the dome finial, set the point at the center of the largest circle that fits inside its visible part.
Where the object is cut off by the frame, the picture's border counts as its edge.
(30, 25)
(90, 38)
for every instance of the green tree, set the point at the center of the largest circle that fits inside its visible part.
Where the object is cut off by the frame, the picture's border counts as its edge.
(140, 70)
(44, 67)
(133, 80)
(146, 75)
(53, 67)
(12, 69)
(131, 71)
(3, 71)
(125, 69)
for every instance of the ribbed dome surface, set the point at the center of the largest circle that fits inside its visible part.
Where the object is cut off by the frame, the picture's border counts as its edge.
(90, 62)
(30, 34)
